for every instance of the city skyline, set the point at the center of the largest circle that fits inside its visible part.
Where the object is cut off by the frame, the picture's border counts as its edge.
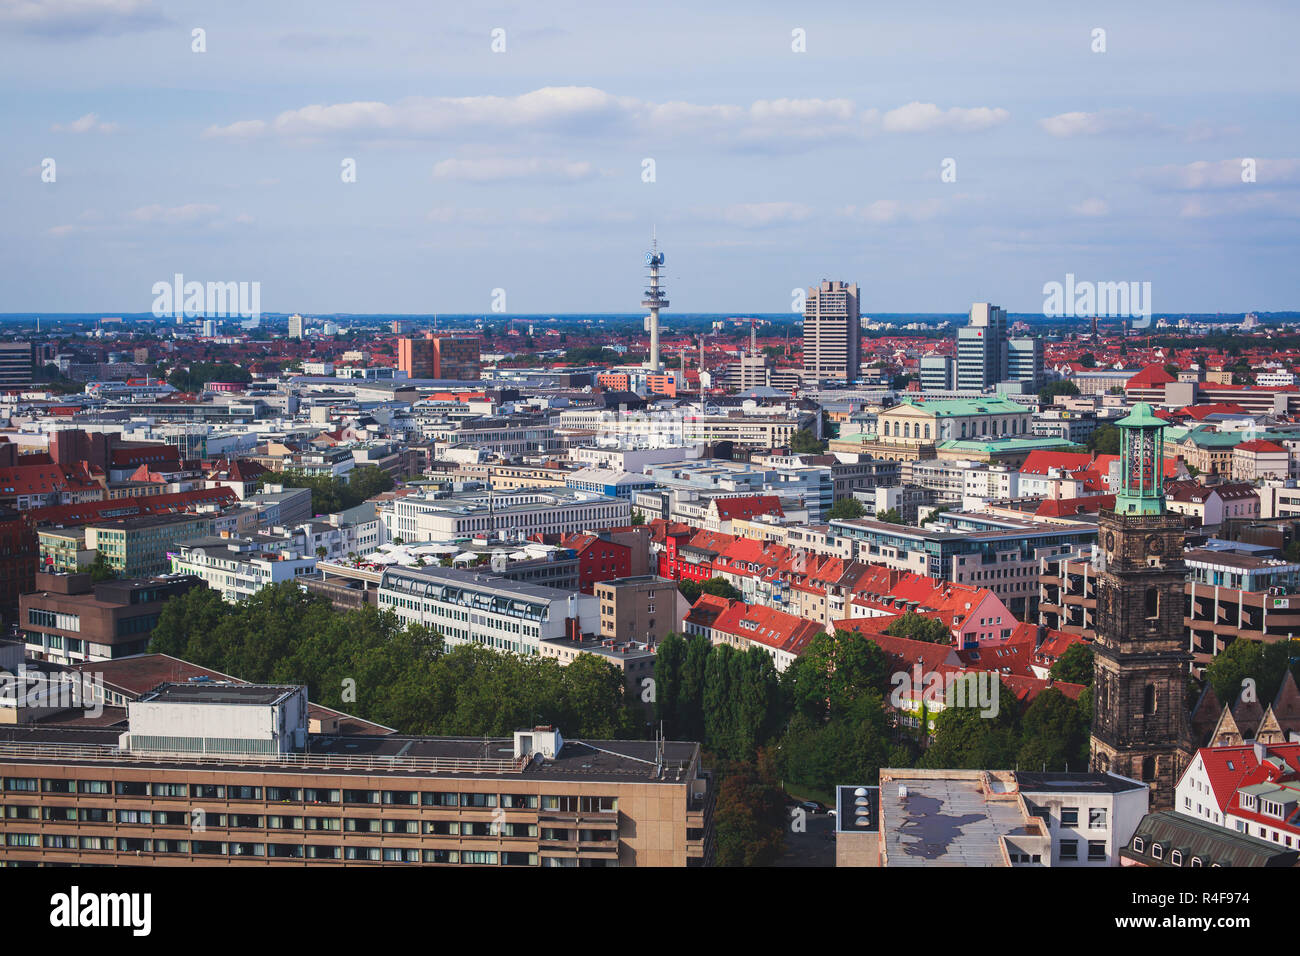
(523, 170)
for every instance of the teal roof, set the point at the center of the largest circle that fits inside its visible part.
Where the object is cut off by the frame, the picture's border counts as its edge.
(1142, 417)
(948, 407)
(1206, 437)
(1008, 444)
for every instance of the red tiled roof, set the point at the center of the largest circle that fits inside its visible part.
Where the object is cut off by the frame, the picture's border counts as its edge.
(1064, 507)
(747, 506)
(1260, 445)
(1041, 461)
(1153, 376)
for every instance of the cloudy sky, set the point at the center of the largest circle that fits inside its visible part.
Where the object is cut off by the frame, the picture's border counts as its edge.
(526, 169)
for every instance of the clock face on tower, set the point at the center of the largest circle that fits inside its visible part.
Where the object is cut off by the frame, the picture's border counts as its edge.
(1110, 540)
(1154, 545)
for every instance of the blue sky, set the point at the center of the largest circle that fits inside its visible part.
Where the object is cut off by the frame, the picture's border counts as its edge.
(522, 170)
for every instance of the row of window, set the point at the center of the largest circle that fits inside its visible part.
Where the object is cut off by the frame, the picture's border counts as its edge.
(412, 798)
(293, 851)
(1158, 853)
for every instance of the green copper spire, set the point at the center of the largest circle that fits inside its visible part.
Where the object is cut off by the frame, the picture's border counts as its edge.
(1141, 449)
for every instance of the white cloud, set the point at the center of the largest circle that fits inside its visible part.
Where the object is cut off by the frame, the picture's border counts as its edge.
(174, 215)
(86, 124)
(1103, 122)
(491, 170)
(1091, 208)
(926, 117)
(74, 19)
(1222, 174)
(759, 214)
(884, 211)
(570, 111)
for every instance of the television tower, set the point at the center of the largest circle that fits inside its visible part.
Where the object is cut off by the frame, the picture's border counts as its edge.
(655, 299)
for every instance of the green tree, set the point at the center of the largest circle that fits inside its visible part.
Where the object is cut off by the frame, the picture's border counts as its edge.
(101, 570)
(637, 517)
(1053, 733)
(750, 819)
(1243, 659)
(891, 516)
(1075, 665)
(805, 442)
(1052, 389)
(1105, 440)
(846, 507)
(920, 627)
(966, 739)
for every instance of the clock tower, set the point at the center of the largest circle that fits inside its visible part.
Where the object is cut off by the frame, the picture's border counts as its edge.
(1141, 660)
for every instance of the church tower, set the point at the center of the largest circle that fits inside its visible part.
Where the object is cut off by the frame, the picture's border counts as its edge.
(1140, 725)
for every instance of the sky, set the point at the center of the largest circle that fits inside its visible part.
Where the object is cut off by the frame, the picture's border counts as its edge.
(516, 158)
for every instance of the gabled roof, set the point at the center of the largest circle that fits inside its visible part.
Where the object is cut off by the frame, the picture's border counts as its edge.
(1041, 461)
(747, 506)
(1153, 376)
(1260, 445)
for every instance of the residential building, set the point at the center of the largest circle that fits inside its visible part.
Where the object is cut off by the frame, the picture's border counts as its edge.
(644, 608)
(238, 568)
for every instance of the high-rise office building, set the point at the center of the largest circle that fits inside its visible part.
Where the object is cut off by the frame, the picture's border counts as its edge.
(16, 364)
(832, 332)
(440, 356)
(938, 373)
(982, 348)
(295, 326)
(1025, 361)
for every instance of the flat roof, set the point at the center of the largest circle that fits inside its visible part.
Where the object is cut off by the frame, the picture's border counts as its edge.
(220, 692)
(1076, 783)
(946, 821)
(613, 761)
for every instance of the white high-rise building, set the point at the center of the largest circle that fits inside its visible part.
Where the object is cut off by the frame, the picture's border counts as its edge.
(295, 326)
(832, 332)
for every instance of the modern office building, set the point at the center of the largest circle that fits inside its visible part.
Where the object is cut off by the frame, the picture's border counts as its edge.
(504, 516)
(982, 348)
(296, 325)
(69, 619)
(472, 607)
(832, 332)
(17, 365)
(229, 774)
(938, 373)
(440, 356)
(1025, 362)
(140, 547)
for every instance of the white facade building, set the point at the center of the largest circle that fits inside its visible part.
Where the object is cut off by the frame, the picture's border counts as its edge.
(469, 607)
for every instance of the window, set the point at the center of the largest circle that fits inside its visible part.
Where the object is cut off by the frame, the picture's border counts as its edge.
(1176, 857)
(1096, 850)
(1069, 816)
(1096, 818)
(1069, 849)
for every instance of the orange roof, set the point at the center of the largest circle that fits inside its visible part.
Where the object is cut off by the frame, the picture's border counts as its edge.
(1153, 376)
(1040, 461)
